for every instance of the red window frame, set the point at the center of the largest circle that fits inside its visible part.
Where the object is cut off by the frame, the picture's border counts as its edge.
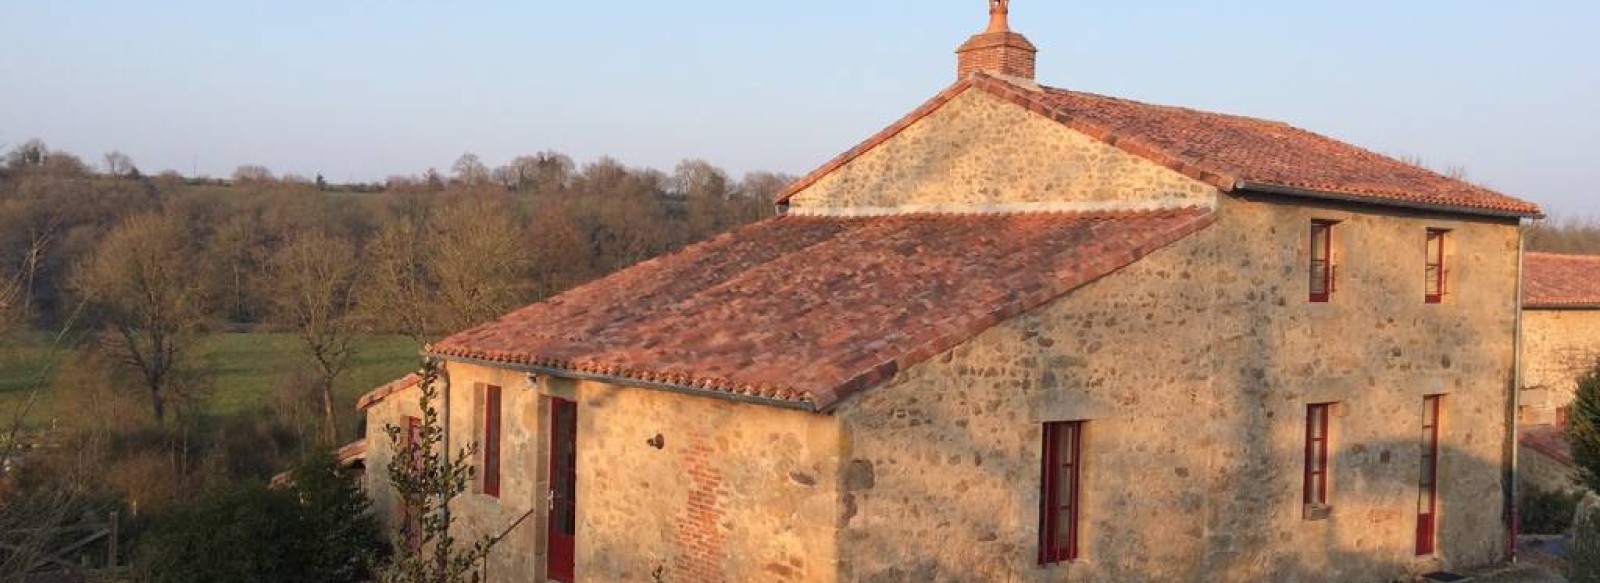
(1061, 499)
(1436, 274)
(412, 521)
(1323, 271)
(1316, 470)
(491, 441)
(1563, 416)
(1428, 483)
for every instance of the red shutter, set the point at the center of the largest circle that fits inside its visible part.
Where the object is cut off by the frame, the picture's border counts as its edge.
(1316, 472)
(1428, 484)
(1437, 274)
(491, 441)
(1322, 268)
(1059, 511)
(408, 516)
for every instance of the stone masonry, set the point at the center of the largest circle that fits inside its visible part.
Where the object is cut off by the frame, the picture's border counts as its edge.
(1558, 347)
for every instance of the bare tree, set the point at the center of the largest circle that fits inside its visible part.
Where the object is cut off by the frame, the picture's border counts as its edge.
(139, 282)
(545, 172)
(479, 260)
(470, 170)
(315, 277)
(117, 164)
(705, 189)
(251, 173)
(31, 153)
(398, 294)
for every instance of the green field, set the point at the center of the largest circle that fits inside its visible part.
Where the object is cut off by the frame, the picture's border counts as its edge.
(246, 370)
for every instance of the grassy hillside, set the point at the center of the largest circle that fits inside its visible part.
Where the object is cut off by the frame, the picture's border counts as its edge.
(246, 370)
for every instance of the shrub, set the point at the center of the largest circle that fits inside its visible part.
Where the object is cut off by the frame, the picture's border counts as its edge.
(1546, 511)
(1583, 557)
(316, 530)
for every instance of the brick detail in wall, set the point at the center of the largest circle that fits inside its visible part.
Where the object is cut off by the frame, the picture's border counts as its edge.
(701, 552)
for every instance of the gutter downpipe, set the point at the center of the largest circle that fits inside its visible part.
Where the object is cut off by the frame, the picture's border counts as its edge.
(1512, 511)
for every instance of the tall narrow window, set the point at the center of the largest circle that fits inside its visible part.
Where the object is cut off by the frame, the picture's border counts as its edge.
(1059, 514)
(491, 441)
(1316, 478)
(1322, 269)
(408, 507)
(1437, 275)
(1428, 484)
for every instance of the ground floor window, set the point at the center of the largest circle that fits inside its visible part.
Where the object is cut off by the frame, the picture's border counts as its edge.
(1428, 484)
(1315, 495)
(1060, 508)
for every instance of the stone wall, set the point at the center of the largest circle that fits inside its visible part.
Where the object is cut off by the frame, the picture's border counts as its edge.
(1193, 368)
(980, 150)
(522, 484)
(1558, 347)
(737, 492)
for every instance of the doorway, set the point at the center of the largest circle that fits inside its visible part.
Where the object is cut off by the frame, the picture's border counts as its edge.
(563, 500)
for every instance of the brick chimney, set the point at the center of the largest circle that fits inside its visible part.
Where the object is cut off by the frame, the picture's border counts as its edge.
(997, 49)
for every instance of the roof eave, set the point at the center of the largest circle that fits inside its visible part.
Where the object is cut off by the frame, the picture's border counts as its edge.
(1298, 192)
(577, 375)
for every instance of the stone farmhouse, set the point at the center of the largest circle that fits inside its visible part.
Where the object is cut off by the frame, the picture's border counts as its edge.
(1561, 342)
(1023, 334)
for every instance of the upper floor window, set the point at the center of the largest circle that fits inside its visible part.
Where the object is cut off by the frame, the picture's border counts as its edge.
(1436, 274)
(1316, 474)
(491, 441)
(1323, 271)
(1060, 502)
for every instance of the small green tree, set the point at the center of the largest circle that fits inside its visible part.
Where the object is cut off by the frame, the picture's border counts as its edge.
(1583, 429)
(427, 478)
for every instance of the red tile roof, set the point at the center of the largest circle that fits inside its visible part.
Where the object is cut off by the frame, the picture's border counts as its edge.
(807, 310)
(1548, 440)
(1561, 281)
(1230, 152)
(379, 394)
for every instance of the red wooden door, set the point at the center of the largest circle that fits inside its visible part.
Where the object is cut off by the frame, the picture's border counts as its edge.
(563, 489)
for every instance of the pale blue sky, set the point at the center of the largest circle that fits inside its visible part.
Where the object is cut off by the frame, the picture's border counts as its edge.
(361, 89)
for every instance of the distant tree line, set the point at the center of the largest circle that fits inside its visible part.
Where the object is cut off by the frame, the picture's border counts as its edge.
(149, 262)
(136, 267)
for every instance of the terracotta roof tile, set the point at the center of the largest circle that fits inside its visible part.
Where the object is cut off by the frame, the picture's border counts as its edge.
(1226, 151)
(379, 394)
(808, 310)
(1561, 281)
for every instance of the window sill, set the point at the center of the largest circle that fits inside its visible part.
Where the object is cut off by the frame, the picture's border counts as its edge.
(1317, 512)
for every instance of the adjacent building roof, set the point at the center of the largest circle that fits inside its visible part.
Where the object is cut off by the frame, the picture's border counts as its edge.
(1230, 152)
(804, 311)
(1561, 281)
(379, 394)
(1549, 440)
